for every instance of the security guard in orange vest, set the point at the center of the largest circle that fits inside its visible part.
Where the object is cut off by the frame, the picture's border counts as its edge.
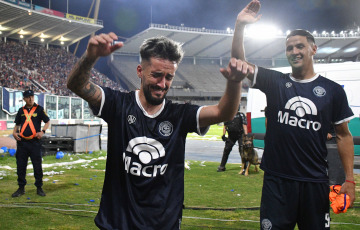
(28, 119)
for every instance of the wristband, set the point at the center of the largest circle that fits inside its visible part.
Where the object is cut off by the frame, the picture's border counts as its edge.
(43, 131)
(352, 182)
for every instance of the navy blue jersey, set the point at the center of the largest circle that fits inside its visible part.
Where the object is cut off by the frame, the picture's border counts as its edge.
(144, 179)
(299, 114)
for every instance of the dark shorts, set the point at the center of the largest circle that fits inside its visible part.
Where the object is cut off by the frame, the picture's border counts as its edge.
(285, 203)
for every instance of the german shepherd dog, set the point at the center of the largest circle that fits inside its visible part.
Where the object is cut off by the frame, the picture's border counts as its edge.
(248, 155)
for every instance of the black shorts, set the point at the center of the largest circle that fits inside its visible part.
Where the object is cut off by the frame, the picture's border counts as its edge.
(285, 203)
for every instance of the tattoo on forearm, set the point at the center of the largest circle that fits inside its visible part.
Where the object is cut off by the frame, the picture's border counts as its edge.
(79, 81)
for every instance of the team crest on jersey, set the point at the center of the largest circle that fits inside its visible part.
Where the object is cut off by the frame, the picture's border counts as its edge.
(266, 224)
(319, 91)
(131, 119)
(165, 128)
(288, 84)
(144, 152)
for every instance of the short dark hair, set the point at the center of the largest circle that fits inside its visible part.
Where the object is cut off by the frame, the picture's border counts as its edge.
(161, 47)
(305, 33)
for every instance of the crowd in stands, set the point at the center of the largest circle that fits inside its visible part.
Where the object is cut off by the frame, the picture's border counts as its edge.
(41, 69)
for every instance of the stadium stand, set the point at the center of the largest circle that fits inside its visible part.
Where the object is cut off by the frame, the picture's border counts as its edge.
(44, 70)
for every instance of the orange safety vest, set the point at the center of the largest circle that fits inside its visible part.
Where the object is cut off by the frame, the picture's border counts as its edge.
(29, 122)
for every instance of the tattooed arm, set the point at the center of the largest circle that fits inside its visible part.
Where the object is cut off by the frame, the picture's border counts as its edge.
(78, 80)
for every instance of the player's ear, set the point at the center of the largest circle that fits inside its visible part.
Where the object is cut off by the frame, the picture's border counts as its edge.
(314, 48)
(139, 71)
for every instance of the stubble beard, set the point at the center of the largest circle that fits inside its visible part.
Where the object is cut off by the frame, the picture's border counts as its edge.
(152, 100)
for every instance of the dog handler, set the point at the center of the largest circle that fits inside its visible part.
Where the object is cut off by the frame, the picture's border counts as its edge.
(28, 119)
(301, 106)
(235, 128)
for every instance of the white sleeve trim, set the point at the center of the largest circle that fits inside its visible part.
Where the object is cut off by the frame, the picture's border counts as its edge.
(344, 120)
(102, 101)
(255, 75)
(201, 131)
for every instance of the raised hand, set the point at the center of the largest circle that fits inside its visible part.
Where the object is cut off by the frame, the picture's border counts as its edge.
(249, 14)
(102, 45)
(237, 70)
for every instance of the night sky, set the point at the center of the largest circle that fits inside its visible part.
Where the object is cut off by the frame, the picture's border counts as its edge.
(129, 17)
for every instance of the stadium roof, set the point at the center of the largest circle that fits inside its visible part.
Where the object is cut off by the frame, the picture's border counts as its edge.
(205, 43)
(33, 25)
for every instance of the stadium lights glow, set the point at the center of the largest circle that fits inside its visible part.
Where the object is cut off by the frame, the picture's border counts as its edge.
(0, 32)
(62, 43)
(261, 31)
(327, 50)
(21, 36)
(2, 28)
(349, 50)
(42, 40)
(23, 32)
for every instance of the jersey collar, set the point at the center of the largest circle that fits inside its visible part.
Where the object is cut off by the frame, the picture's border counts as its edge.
(144, 111)
(304, 81)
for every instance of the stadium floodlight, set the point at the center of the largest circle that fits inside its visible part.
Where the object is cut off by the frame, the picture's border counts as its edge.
(327, 50)
(315, 32)
(351, 49)
(21, 36)
(262, 31)
(23, 32)
(62, 43)
(42, 40)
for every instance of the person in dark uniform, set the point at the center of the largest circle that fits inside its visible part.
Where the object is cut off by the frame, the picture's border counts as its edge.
(301, 106)
(144, 180)
(236, 129)
(27, 132)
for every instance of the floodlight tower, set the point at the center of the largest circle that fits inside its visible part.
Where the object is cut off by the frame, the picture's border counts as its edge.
(96, 14)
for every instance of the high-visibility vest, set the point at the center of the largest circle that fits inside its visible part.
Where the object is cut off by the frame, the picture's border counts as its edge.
(29, 122)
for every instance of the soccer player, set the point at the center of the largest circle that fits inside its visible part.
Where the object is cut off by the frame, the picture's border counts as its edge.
(301, 106)
(144, 179)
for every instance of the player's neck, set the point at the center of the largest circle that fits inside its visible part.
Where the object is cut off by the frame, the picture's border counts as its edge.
(149, 108)
(303, 73)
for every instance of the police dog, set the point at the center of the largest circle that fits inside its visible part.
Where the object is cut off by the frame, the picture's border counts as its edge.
(248, 155)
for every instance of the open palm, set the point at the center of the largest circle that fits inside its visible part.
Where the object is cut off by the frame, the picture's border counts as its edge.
(250, 13)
